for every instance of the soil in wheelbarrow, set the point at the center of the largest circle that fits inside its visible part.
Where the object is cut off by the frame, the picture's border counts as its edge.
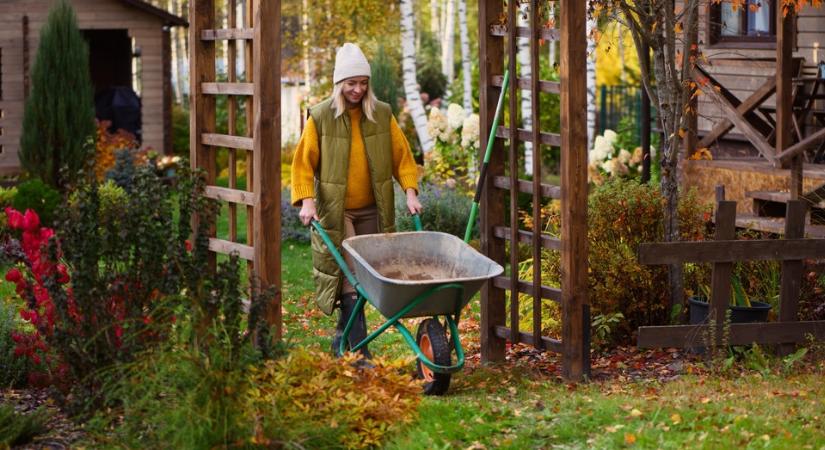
(419, 270)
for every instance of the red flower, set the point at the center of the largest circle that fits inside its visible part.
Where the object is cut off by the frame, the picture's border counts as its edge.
(15, 218)
(63, 275)
(14, 275)
(31, 221)
(188, 245)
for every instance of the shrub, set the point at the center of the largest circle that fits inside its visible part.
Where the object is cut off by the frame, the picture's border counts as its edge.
(7, 196)
(199, 373)
(384, 79)
(323, 402)
(107, 144)
(180, 130)
(38, 196)
(445, 210)
(123, 171)
(112, 306)
(13, 370)
(621, 215)
(58, 119)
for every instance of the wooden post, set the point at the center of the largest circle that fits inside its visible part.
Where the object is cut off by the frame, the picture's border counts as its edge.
(575, 304)
(491, 58)
(720, 278)
(791, 280)
(232, 109)
(512, 22)
(537, 225)
(201, 106)
(785, 34)
(267, 153)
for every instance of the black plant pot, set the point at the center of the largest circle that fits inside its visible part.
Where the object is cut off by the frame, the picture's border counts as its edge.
(757, 312)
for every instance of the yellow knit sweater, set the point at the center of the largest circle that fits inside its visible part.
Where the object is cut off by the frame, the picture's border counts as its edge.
(359, 187)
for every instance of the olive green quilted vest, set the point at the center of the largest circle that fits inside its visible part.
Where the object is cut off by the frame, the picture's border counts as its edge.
(331, 184)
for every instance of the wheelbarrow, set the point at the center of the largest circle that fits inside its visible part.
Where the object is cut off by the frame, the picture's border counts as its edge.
(415, 274)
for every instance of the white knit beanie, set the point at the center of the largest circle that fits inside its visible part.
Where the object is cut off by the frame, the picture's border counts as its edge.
(350, 62)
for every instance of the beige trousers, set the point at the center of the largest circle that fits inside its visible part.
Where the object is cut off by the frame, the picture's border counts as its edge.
(357, 222)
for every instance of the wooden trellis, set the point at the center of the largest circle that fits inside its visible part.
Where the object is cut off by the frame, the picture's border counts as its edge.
(495, 233)
(723, 252)
(258, 36)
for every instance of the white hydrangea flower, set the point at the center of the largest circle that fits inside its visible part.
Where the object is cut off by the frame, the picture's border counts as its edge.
(470, 132)
(437, 125)
(614, 167)
(610, 136)
(455, 116)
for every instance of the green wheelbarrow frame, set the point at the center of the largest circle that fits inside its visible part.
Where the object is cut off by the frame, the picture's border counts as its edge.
(395, 320)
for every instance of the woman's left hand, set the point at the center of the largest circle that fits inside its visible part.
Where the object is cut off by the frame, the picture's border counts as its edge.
(412, 202)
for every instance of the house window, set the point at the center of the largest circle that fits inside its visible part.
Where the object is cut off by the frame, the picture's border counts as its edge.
(753, 21)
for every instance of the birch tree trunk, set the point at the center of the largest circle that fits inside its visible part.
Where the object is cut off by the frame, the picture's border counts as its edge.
(175, 54)
(466, 68)
(305, 29)
(435, 19)
(591, 78)
(181, 52)
(552, 44)
(419, 116)
(448, 43)
(525, 71)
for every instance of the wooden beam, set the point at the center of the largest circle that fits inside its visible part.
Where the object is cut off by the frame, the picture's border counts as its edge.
(550, 87)
(525, 287)
(554, 345)
(685, 336)
(498, 30)
(227, 34)
(573, 106)
(523, 135)
(730, 251)
(491, 57)
(797, 149)
(790, 283)
(230, 195)
(526, 237)
(753, 135)
(515, 137)
(526, 187)
(724, 125)
(228, 88)
(266, 180)
(784, 82)
(225, 247)
(725, 220)
(225, 140)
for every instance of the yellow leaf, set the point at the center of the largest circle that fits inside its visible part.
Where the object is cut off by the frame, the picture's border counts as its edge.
(635, 413)
(629, 438)
(676, 419)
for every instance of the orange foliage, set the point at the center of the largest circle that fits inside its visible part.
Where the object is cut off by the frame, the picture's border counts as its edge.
(106, 144)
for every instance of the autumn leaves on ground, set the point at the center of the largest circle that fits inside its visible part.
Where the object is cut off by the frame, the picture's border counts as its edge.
(642, 399)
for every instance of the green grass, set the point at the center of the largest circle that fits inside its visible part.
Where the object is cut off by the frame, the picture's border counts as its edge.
(513, 407)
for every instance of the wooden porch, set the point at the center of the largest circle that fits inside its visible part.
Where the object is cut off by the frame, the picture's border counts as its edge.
(779, 125)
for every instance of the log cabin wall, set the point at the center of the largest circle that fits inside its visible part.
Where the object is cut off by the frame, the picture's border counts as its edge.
(145, 28)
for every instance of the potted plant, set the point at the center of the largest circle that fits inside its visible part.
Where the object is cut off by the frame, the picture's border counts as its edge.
(743, 309)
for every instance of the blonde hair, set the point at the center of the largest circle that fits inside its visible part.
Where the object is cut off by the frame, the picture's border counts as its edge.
(339, 102)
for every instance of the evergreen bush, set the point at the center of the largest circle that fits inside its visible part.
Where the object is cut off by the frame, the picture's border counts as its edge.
(384, 79)
(59, 115)
(39, 197)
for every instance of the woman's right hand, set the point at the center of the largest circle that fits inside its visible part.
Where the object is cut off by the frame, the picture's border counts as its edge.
(308, 211)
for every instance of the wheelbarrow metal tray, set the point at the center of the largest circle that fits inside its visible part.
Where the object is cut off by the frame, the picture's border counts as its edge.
(395, 268)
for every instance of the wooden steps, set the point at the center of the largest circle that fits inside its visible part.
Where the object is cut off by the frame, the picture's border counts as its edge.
(775, 225)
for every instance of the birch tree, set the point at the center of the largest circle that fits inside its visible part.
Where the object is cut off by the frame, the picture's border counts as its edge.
(466, 68)
(525, 71)
(419, 116)
(591, 75)
(448, 43)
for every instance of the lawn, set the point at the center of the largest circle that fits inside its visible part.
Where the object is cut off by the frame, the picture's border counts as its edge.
(519, 405)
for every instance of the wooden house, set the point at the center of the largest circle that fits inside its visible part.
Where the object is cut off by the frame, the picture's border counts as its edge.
(129, 45)
(749, 55)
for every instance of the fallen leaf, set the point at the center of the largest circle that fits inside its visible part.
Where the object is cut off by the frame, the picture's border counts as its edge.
(629, 438)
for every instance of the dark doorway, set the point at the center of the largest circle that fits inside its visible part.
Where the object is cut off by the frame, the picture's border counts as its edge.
(110, 58)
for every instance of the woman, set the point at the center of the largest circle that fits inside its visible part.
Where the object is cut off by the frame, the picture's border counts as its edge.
(342, 171)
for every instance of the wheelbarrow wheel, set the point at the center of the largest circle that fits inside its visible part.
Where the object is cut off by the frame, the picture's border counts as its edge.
(432, 339)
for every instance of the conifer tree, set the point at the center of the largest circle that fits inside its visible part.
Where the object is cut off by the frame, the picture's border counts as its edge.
(58, 119)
